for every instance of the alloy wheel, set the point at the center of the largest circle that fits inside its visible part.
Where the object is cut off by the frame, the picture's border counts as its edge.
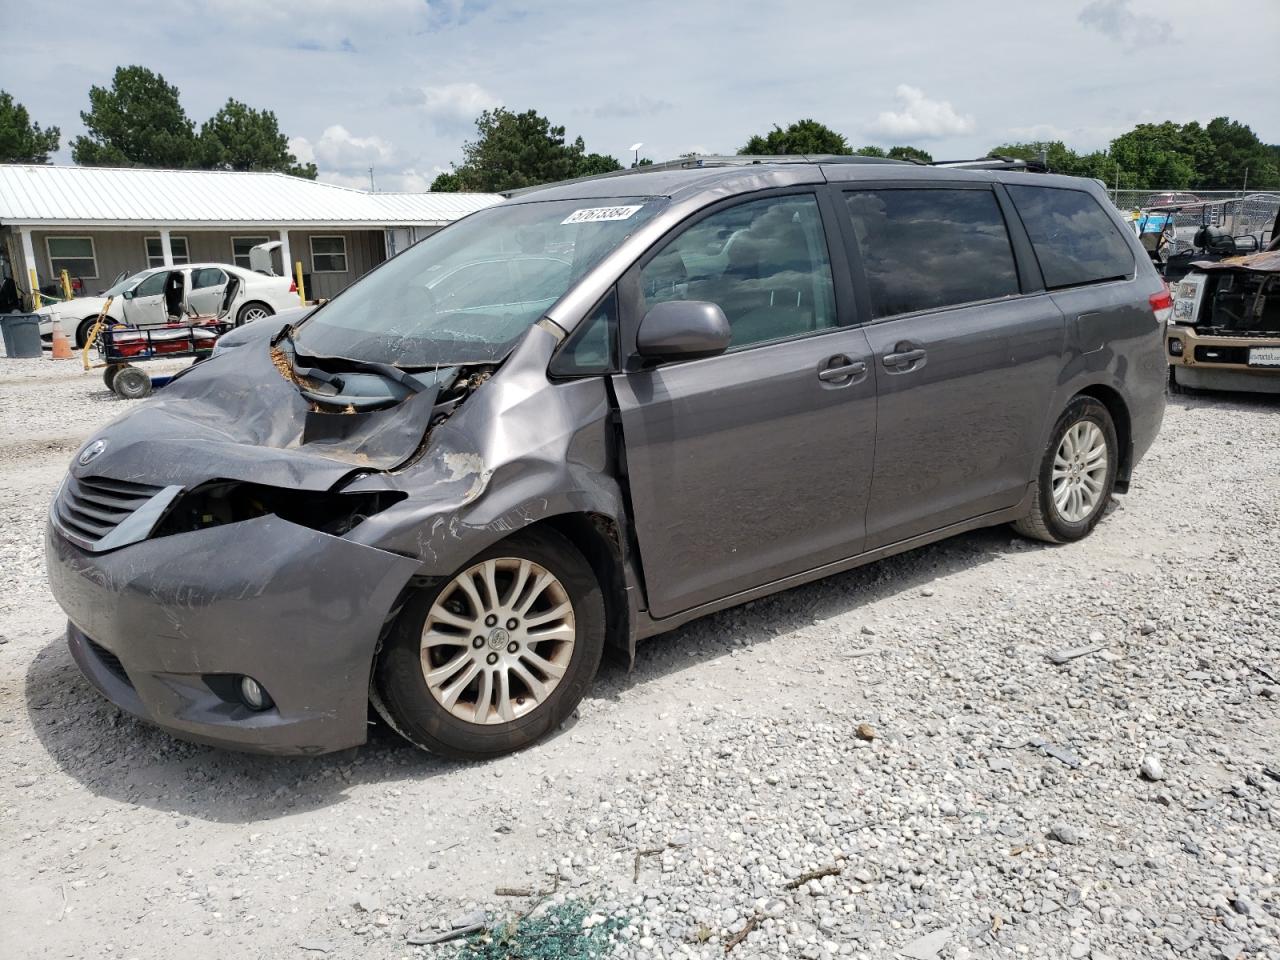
(255, 313)
(497, 640)
(1080, 471)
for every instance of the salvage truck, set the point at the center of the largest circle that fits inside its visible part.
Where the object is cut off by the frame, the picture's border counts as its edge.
(1225, 332)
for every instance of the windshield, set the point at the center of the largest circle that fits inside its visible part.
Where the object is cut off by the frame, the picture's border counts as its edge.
(467, 293)
(128, 283)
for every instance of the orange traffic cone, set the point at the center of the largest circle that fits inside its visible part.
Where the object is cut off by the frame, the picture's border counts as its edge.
(61, 345)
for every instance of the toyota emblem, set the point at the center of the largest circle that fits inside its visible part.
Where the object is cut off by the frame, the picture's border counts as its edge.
(92, 451)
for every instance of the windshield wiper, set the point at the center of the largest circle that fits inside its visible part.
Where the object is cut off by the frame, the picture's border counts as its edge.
(360, 384)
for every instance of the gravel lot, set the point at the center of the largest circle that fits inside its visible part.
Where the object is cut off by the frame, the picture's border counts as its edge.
(903, 726)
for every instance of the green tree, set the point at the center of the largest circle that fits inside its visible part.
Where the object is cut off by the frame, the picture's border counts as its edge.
(910, 153)
(21, 139)
(1236, 148)
(1154, 153)
(446, 183)
(870, 151)
(239, 137)
(138, 121)
(591, 164)
(806, 137)
(514, 150)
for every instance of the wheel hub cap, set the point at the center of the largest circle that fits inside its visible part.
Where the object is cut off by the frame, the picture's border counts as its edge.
(498, 640)
(1080, 471)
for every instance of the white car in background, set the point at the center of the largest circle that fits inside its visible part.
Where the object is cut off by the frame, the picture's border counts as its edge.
(150, 298)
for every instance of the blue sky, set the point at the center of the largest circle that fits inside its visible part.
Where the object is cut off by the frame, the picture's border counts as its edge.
(396, 84)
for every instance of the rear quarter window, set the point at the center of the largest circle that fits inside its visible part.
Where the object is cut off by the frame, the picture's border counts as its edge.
(1074, 239)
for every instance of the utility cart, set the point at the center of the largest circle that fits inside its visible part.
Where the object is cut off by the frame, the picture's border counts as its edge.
(121, 346)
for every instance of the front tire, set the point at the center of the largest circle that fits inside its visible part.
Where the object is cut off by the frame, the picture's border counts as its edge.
(1076, 477)
(82, 331)
(255, 310)
(491, 659)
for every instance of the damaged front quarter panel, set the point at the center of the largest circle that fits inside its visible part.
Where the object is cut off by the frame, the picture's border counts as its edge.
(521, 449)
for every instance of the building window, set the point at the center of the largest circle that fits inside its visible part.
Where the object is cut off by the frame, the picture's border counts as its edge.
(177, 246)
(329, 254)
(74, 255)
(240, 247)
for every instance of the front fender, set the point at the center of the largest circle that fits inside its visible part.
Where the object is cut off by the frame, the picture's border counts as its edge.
(521, 449)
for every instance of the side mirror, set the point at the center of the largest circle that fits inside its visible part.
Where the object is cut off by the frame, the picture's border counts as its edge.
(128, 294)
(683, 330)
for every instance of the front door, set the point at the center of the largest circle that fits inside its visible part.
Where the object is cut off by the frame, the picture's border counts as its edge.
(751, 466)
(965, 362)
(147, 305)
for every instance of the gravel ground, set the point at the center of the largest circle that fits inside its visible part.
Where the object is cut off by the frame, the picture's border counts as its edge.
(903, 731)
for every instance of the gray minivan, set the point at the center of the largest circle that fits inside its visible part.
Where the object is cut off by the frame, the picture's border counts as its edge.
(587, 415)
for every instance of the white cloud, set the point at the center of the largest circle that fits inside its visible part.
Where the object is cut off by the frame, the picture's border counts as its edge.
(449, 104)
(632, 106)
(301, 148)
(1116, 19)
(921, 118)
(399, 181)
(338, 150)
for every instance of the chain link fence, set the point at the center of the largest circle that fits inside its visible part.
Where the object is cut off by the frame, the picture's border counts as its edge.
(1237, 213)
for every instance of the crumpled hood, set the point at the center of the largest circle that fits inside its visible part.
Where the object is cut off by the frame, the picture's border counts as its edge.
(236, 417)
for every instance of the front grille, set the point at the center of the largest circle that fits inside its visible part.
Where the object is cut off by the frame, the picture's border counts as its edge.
(1205, 354)
(109, 660)
(91, 507)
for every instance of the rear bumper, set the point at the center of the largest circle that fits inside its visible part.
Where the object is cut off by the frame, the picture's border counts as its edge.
(160, 627)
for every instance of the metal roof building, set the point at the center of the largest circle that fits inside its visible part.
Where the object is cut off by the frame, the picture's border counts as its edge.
(96, 222)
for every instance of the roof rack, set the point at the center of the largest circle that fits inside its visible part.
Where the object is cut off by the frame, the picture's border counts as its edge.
(709, 161)
(994, 163)
(746, 160)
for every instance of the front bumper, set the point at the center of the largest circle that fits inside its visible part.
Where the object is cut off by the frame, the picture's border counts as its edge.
(1219, 363)
(158, 626)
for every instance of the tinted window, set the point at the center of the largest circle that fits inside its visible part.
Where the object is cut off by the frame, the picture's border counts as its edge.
(1074, 239)
(926, 249)
(590, 349)
(764, 262)
(207, 277)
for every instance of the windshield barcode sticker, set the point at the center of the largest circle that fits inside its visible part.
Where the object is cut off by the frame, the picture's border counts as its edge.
(600, 214)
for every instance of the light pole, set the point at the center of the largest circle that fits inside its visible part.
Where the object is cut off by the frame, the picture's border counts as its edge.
(635, 148)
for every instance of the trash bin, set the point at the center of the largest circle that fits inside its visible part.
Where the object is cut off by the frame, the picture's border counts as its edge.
(21, 333)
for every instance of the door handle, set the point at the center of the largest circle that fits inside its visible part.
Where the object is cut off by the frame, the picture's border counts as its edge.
(903, 358)
(838, 371)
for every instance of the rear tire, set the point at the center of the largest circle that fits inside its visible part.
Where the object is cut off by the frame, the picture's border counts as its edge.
(130, 383)
(1075, 482)
(109, 374)
(255, 310)
(451, 632)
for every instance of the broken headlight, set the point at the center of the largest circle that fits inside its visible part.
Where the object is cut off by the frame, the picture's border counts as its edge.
(229, 501)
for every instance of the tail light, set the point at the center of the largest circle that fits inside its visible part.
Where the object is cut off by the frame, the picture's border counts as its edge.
(1162, 304)
(293, 286)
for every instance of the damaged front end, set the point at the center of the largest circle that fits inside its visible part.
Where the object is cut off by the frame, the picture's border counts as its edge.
(256, 525)
(1225, 332)
(201, 547)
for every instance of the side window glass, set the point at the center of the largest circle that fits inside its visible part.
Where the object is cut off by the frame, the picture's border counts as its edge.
(764, 262)
(207, 277)
(591, 348)
(152, 285)
(929, 249)
(1074, 239)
